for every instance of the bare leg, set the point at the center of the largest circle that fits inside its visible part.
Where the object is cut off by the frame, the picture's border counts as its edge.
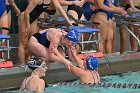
(122, 39)
(102, 19)
(23, 52)
(109, 38)
(133, 42)
(38, 49)
(23, 38)
(6, 23)
(114, 38)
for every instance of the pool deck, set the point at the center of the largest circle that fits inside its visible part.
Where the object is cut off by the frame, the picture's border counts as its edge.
(109, 64)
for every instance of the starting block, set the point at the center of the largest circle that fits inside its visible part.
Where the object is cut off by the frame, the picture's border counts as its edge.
(6, 64)
(95, 54)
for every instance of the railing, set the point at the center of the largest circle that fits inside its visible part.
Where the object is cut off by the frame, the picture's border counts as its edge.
(132, 19)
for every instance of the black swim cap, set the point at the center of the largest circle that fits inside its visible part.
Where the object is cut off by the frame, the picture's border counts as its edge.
(34, 63)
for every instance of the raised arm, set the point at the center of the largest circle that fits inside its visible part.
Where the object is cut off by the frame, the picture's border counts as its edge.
(77, 59)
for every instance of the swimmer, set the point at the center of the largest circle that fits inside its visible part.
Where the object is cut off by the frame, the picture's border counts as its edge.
(34, 83)
(28, 24)
(86, 70)
(45, 44)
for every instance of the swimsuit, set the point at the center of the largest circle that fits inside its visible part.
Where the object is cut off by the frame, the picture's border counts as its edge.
(96, 75)
(42, 39)
(26, 90)
(38, 10)
(2, 7)
(79, 10)
(22, 4)
(109, 14)
(87, 11)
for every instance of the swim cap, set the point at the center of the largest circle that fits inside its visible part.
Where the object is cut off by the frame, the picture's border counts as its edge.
(73, 36)
(34, 63)
(91, 63)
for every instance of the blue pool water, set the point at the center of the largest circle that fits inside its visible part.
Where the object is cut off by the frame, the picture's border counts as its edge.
(126, 78)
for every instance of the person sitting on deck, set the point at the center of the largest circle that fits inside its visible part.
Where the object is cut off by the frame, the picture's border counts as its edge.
(86, 70)
(45, 44)
(34, 83)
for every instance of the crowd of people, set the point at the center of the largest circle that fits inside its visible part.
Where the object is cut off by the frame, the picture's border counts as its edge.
(44, 43)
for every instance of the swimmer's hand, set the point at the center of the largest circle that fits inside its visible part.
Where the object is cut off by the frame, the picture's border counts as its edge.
(70, 67)
(78, 3)
(121, 10)
(17, 12)
(73, 50)
(68, 64)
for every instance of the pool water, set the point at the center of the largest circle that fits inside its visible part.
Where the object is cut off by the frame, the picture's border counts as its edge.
(126, 78)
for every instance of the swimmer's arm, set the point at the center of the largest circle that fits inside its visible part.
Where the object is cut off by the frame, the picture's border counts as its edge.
(117, 9)
(92, 5)
(104, 7)
(77, 71)
(41, 86)
(61, 10)
(54, 53)
(131, 3)
(77, 59)
(29, 8)
(111, 5)
(15, 7)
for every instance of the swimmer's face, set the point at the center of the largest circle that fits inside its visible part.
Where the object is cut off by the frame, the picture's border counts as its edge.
(43, 68)
(69, 43)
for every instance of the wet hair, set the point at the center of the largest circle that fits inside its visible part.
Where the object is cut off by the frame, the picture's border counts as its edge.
(34, 63)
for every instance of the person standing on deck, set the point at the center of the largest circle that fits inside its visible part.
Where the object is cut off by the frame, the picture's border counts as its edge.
(3, 7)
(103, 15)
(129, 6)
(133, 6)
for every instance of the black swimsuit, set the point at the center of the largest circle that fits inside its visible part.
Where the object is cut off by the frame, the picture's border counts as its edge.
(42, 39)
(79, 10)
(38, 10)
